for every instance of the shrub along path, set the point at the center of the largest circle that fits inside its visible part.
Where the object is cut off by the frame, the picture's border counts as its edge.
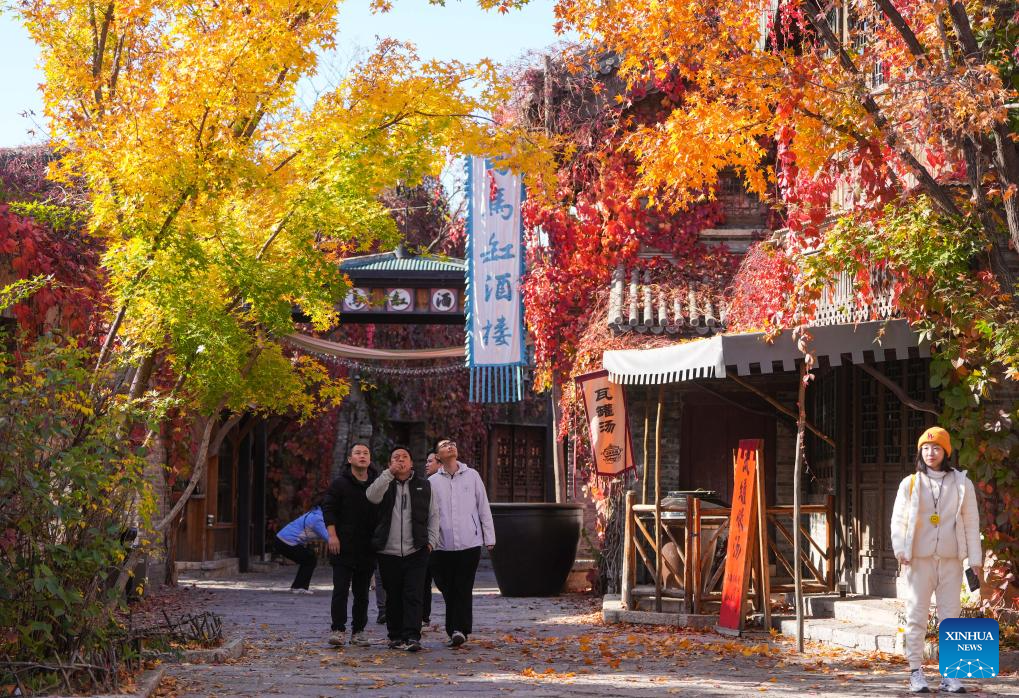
(531, 647)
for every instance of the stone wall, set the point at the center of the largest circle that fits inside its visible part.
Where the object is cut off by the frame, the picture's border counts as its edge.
(354, 425)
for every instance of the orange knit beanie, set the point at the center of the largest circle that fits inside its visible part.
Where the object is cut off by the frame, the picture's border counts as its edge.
(936, 435)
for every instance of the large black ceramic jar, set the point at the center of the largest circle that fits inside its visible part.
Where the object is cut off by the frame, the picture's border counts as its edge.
(536, 545)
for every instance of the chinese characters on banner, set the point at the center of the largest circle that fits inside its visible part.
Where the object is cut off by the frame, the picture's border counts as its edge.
(742, 534)
(605, 404)
(495, 265)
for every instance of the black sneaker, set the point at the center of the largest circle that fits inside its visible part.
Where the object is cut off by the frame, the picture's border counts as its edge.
(412, 646)
(457, 639)
(397, 644)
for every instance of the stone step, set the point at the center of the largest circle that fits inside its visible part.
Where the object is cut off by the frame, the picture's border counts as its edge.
(844, 633)
(644, 599)
(871, 611)
(209, 569)
(861, 609)
(613, 612)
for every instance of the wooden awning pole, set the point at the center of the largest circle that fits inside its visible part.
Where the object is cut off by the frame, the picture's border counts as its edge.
(658, 500)
(647, 423)
(797, 467)
(762, 540)
(782, 408)
(558, 453)
(629, 557)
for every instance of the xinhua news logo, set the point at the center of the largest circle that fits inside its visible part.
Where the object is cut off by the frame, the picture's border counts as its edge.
(968, 648)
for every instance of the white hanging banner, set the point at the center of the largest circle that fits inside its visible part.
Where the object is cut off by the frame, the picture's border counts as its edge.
(495, 266)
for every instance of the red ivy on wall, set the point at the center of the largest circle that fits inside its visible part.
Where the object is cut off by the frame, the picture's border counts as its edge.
(71, 303)
(575, 244)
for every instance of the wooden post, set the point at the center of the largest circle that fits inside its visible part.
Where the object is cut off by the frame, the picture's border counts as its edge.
(691, 563)
(762, 541)
(658, 500)
(694, 531)
(629, 558)
(558, 470)
(797, 467)
(647, 426)
(829, 533)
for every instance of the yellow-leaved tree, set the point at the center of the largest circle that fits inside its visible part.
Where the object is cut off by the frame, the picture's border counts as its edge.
(221, 204)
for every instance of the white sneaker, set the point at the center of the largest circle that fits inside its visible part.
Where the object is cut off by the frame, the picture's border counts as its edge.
(360, 640)
(918, 682)
(950, 685)
(337, 638)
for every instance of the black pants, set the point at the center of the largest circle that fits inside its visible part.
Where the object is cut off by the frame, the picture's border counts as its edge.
(351, 574)
(380, 593)
(305, 558)
(454, 572)
(426, 600)
(404, 578)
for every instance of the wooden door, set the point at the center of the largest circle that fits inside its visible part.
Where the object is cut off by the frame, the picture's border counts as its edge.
(881, 452)
(711, 431)
(516, 463)
(223, 498)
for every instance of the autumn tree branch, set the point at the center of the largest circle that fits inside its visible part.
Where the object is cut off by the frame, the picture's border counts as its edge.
(1006, 158)
(905, 31)
(940, 195)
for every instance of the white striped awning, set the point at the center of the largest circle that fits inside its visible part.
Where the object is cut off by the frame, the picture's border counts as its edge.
(743, 353)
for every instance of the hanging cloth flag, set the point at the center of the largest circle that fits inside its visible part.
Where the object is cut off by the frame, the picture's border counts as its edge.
(495, 265)
(605, 406)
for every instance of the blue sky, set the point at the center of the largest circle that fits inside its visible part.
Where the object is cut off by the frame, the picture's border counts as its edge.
(458, 30)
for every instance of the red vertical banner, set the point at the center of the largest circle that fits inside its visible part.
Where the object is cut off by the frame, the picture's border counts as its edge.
(742, 538)
(605, 406)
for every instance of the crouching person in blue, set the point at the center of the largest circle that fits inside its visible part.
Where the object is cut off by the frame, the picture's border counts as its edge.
(407, 532)
(293, 542)
(350, 519)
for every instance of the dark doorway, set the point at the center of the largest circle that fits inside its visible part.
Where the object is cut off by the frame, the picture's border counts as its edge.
(516, 457)
(711, 431)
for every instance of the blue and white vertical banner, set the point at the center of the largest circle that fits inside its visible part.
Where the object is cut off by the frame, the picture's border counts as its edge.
(496, 354)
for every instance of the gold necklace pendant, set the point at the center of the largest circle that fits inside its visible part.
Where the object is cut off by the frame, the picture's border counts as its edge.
(935, 519)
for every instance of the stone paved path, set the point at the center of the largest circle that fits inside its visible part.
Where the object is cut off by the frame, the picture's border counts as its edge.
(526, 647)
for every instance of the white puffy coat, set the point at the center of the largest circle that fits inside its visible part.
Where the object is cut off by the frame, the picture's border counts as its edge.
(967, 519)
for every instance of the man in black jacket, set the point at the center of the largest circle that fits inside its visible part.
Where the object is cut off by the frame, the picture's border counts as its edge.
(407, 531)
(351, 521)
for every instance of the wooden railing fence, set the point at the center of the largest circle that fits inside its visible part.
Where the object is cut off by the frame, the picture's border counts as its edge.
(664, 556)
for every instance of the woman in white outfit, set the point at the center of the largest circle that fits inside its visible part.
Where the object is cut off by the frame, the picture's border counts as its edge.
(935, 526)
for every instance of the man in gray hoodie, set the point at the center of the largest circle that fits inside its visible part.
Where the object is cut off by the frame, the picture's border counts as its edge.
(407, 532)
(465, 524)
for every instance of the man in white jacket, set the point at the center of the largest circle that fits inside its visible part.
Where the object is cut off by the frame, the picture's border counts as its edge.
(465, 524)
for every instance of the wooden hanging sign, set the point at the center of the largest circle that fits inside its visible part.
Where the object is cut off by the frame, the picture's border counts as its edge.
(744, 543)
(605, 406)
